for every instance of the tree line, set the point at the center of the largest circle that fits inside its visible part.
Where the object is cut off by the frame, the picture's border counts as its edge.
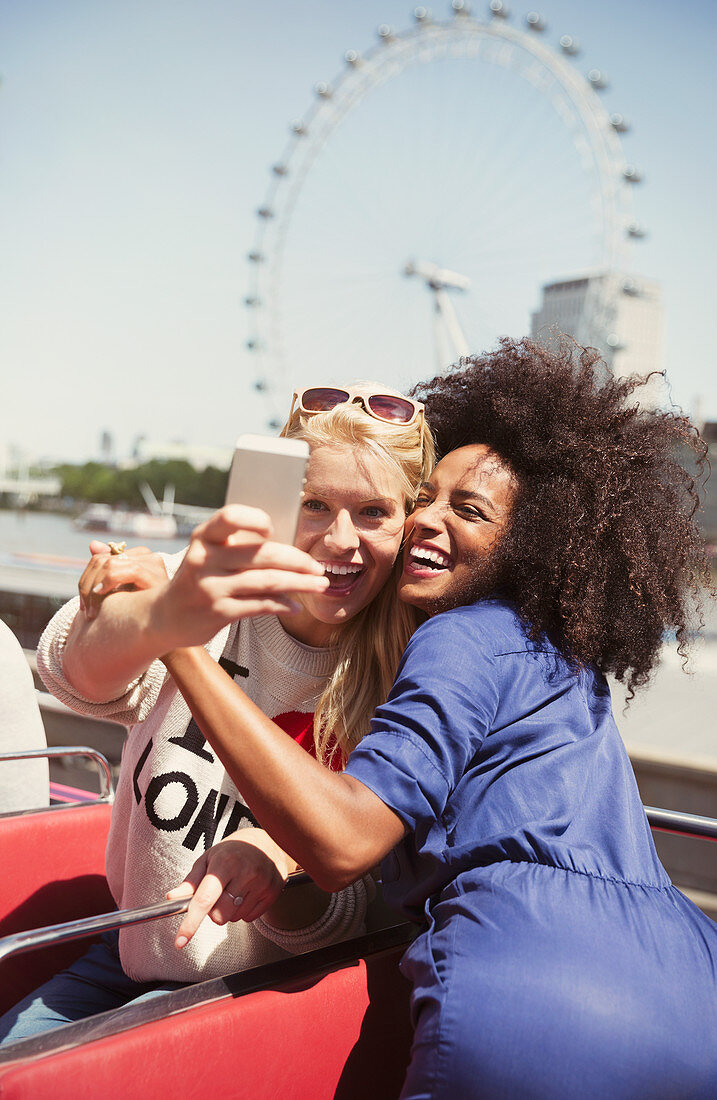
(97, 482)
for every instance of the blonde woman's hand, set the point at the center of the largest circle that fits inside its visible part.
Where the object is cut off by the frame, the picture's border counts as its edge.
(232, 570)
(237, 879)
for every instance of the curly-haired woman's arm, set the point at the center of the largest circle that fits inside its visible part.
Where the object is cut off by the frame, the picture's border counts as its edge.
(331, 824)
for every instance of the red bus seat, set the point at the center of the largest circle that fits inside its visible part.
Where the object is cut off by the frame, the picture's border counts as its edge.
(53, 865)
(332, 1023)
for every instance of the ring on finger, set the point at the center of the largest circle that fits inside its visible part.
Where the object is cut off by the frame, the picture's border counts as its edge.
(236, 898)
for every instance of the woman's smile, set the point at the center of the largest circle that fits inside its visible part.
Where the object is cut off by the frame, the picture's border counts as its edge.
(423, 559)
(343, 576)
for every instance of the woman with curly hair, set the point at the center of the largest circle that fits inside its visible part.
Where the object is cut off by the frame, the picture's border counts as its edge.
(553, 543)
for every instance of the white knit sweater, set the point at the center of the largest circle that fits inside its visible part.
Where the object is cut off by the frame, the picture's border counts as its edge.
(174, 798)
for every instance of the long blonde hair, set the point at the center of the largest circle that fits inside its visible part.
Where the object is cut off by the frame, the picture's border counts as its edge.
(370, 645)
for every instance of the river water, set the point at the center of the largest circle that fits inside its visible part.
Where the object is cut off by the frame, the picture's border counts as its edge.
(42, 533)
(41, 559)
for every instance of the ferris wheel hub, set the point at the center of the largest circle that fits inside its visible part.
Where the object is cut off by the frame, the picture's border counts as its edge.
(435, 277)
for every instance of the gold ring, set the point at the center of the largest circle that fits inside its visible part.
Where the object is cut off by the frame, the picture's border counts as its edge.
(117, 547)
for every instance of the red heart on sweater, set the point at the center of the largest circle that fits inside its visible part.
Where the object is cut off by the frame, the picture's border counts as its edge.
(300, 727)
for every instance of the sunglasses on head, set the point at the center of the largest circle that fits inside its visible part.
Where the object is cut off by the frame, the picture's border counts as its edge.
(389, 407)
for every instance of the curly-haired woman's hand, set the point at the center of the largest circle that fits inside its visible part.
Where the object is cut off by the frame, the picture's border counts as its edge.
(129, 571)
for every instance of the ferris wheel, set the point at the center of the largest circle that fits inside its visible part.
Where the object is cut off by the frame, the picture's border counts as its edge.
(424, 198)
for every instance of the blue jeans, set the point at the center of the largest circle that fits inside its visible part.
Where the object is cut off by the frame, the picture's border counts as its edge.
(94, 983)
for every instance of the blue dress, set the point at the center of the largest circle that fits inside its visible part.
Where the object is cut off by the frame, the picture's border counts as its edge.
(556, 958)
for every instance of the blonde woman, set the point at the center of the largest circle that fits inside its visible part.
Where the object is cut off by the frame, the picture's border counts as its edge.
(316, 662)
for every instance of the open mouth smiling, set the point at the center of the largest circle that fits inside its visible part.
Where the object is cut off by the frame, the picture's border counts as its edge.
(342, 575)
(425, 560)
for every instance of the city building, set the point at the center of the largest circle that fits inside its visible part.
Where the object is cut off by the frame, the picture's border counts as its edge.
(707, 516)
(197, 455)
(619, 314)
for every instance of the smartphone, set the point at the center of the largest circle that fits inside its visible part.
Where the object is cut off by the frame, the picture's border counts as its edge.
(269, 473)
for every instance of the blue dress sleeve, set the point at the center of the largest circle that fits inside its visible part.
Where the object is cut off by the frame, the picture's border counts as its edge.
(442, 705)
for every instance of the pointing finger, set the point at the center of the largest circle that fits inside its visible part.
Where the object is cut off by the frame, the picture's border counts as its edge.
(205, 898)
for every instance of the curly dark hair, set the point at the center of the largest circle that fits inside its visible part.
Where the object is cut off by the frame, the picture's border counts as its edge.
(602, 554)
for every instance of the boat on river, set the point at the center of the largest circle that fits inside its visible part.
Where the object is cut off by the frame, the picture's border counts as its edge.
(105, 520)
(161, 520)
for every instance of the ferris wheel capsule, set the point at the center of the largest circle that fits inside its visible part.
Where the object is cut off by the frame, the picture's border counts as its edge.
(535, 22)
(569, 45)
(632, 174)
(460, 7)
(498, 8)
(598, 79)
(619, 123)
(352, 57)
(385, 33)
(421, 14)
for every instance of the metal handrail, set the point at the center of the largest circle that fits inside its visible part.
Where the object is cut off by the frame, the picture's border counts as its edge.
(20, 942)
(106, 786)
(673, 821)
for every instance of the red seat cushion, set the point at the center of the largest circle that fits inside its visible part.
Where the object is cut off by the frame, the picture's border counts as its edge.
(53, 871)
(344, 1035)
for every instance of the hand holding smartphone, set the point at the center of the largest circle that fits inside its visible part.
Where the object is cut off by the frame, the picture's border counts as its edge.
(269, 473)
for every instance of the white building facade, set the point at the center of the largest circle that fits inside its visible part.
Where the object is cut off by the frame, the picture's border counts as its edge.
(619, 314)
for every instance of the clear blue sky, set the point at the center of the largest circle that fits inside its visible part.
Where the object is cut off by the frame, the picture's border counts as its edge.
(135, 143)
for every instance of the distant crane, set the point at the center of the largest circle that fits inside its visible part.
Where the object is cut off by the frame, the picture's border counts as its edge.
(166, 508)
(440, 280)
